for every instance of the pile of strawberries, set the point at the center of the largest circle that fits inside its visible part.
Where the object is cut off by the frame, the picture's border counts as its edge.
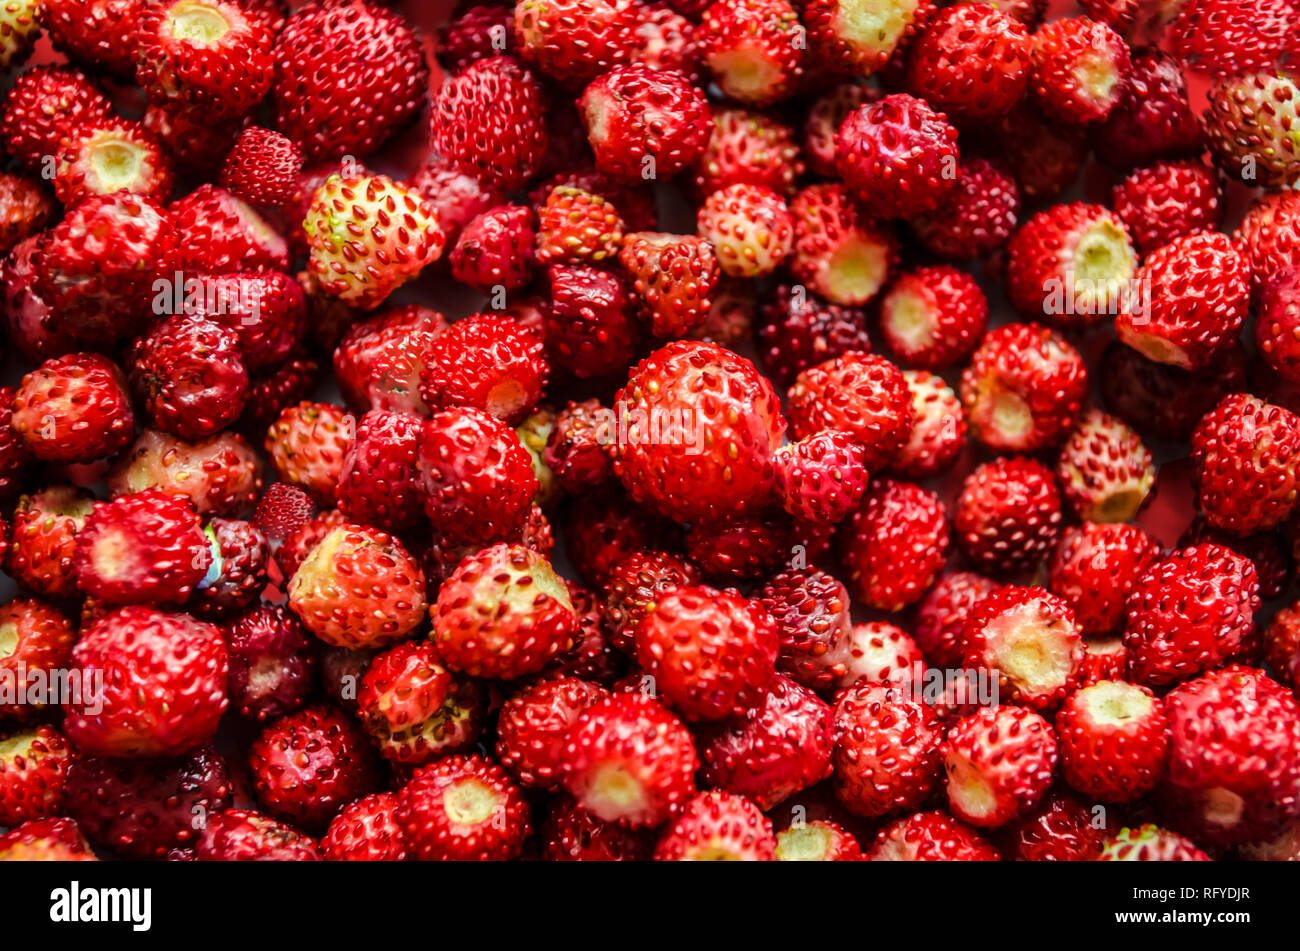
(848, 567)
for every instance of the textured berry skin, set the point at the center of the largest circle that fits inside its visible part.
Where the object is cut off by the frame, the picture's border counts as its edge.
(1043, 156)
(219, 234)
(495, 249)
(109, 155)
(1269, 235)
(933, 317)
(489, 363)
(262, 169)
(240, 554)
(38, 637)
(838, 253)
(640, 119)
(1023, 388)
(1070, 264)
(1168, 199)
(590, 326)
(366, 830)
(575, 41)
(533, 725)
(1164, 400)
(379, 360)
(1233, 765)
(1266, 550)
(1199, 289)
(195, 143)
(56, 839)
(895, 544)
(577, 451)
(752, 49)
(571, 834)
(777, 749)
(486, 121)
(265, 310)
(503, 613)
(1230, 37)
(1060, 830)
(887, 750)
(739, 548)
(930, 837)
(711, 653)
(307, 765)
(475, 33)
(190, 376)
(1150, 843)
(750, 227)
(859, 39)
(720, 461)
(368, 236)
(73, 408)
(751, 148)
(975, 217)
(242, 835)
(1153, 118)
(817, 841)
(477, 477)
(25, 208)
(674, 276)
(1080, 69)
(307, 445)
(633, 587)
(971, 61)
(164, 685)
(938, 428)
(941, 616)
(379, 484)
(1008, 515)
(628, 760)
(1188, 613)
(1093, 568)
(898, 156)
(1114, 740)
(1277, 325)
(213, 57)
(821, 478)
(141, 809)
(221, 475)
(44, 105)
(1029, 636)
(825, 117)
(1246, 452)
(33, 774)
(141, 548)
(861, 394)
(718, 826)
(20, 28)
(272, 663)
(797, 330)
(1104, 469)
(358, 588)
(577, 227)
(347, 75)
(43, 541)
(463, 808)
(999, 763)
(457, 196)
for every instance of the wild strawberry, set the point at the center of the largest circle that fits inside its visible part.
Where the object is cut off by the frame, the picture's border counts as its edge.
(1230, 37)
(887, 750)
(753, 49)
(824, 120)
(629, 760)
(571, 834)
(1167, 200)
(1277, 324)
(750, 227)
(895, 544)
(242, 835)
(368, 236)
(347, 75)
(817, 841)
(858, 38)
(590, 324)
(46, 104)
(938, 428)
(1232, 756)
(1150, 843)
(1071, 265)
(797, 330)
(777, 749)
(838, 253)
(897, 156)
(930, 837)
(219, 234)
(43, 540)
(221, 475)
(457, 197)
(378, 483)
(190, 375)
(822, 477)
(999, 763)
(20, 27)
(711, 653)
(1269, 235)
(379, 361)
(971, 61)
(307, 446)
(666, 41)
(941, 616)
(1094, 566)
(635, 584)
(593, 657)
(933, 317)
(487, 363)
(164, 684)
(414, 708)
(746, 147)
(575, 41)
(262, 169)
(33, 773)
(730, 425)
(1266, 550)
(111, 155)
(1105, 471)
(741, 547)
(1163, 399)
(576, 452)
(272, 663)
(358, 588)
(141, 809)
(534, 724)
(1188, 613)
(35, 636)
(1245, 454)
(674, 276)
(608, 527)
(858, 393)
(1023, 388)
(1248, 127)
(1061, 829)
(1080, 69)
(1043, 156)
(975, 217)
(237, 575)
(1197, 295)
(25, 209)
(477, 477)
(32, 330)
(1153, 118)
(718, 826)
(1113, 739)
(463, 808)
(1008, 515)
(73, 408)
(495, 250)
(474, 33)
(1030, 638)
(576, 227)
(366, 830)
(265, 310)
(195, 143)
(1281, 641)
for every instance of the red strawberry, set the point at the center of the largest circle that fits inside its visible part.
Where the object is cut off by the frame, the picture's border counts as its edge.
(1093, 568)
(941, 616)
(45, 104)
(39, 638)
(272, 663)
(1114, 740)
(109, 155)
(1030, 638)
(747, 147)
(817, 841)
(1150, 843)
(999, 763)
(1230, 37)
(674, 276)
(1023, 388)
(73, 408)
(718, 826)
(895, 544)
(221, 475)
(1248, 128)
(265, 310)
(45, 525)
(860, 40)
(666, 41)
(754, 48)
(590, 324)
(797, 330)
(577, 450)
(1188, 613)
(1269, 235)
(1061, 829)
(750, 227)
(495, 250)
(456, 196)
(474, 33)
(593, 656)
(822, 477)
(739, 548)
(269, 394)
(533, 726)
(238, 575)
(25, 208)
(1105, 471)
(574, 41)
(838, 253)
(887, 750)
(99, 33)
(242, 835)
(824, 120)
(1163, 399)
(975, 217)
(164, 684)
(1168, 199)
(1277, 325)
(378, 482)
(971, 61)
(635, 584)
(1153, 118)
(933, 317)
(190, 376)
(219, 234)
(487, 363)
(571, 834)
(262, 169)
(307, 445)
(1042, 155)
(379, 361)
(367, 830)
(861, 394)
(347, 75)
(1081, 68)
(930, 837)
(938, 428)
(195, 143)
(1008, 515)
(1245, 453)
(33, 773)
(577, 227)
